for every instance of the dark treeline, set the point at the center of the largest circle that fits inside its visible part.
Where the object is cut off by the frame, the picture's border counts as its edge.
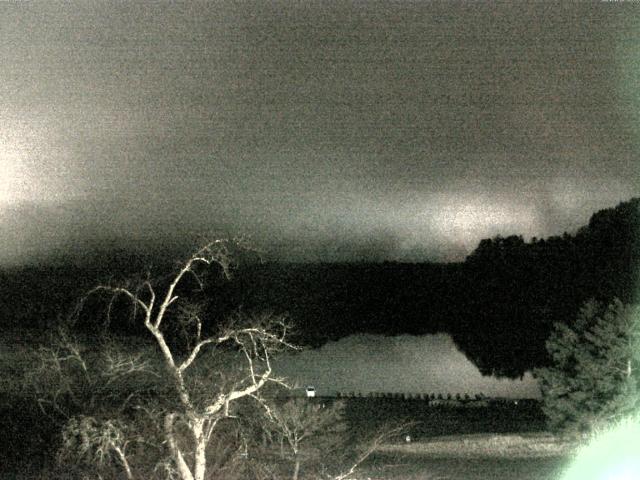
(516, 290)
(499, 305)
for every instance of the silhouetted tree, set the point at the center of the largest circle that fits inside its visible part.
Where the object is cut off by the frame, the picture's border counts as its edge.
(207, 375)
(593, 379)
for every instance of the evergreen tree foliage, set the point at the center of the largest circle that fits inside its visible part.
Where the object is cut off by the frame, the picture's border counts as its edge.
(594, 376)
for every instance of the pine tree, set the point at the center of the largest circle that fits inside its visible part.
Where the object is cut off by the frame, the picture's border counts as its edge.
(594, 376)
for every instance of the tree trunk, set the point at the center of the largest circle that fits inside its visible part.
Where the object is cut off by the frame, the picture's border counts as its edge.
(200, 457)
(183, 468)
(296, 469)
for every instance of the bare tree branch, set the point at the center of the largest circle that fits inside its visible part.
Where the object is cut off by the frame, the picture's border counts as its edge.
(200, 405)
(194, 353)
(383, 435)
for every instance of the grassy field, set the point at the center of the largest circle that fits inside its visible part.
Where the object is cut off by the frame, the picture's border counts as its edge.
(425, 468)
(499, 441)
(366, 414)
(484, 446)
(473, 457)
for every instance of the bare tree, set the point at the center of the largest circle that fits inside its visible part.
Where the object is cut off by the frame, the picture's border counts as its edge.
(73, 377)
(311, 430)
(366, 448)
(313, 434)
(208, 374)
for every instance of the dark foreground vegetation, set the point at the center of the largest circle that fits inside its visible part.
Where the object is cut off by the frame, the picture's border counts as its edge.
(31, 440)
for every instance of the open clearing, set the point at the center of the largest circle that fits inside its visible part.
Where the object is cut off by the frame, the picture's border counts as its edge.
(403, 468)
(538, 445)
(473, 457)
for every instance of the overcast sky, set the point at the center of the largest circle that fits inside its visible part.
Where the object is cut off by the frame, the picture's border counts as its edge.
(327, 130)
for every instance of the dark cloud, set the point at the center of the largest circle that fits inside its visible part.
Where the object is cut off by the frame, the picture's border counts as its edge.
(330, 129)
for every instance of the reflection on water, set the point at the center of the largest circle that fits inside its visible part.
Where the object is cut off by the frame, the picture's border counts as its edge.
(409, 364)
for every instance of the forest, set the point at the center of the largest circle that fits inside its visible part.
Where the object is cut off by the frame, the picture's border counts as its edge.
(499, 304)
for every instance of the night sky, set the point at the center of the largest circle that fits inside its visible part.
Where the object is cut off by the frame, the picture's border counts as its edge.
(325, 130)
